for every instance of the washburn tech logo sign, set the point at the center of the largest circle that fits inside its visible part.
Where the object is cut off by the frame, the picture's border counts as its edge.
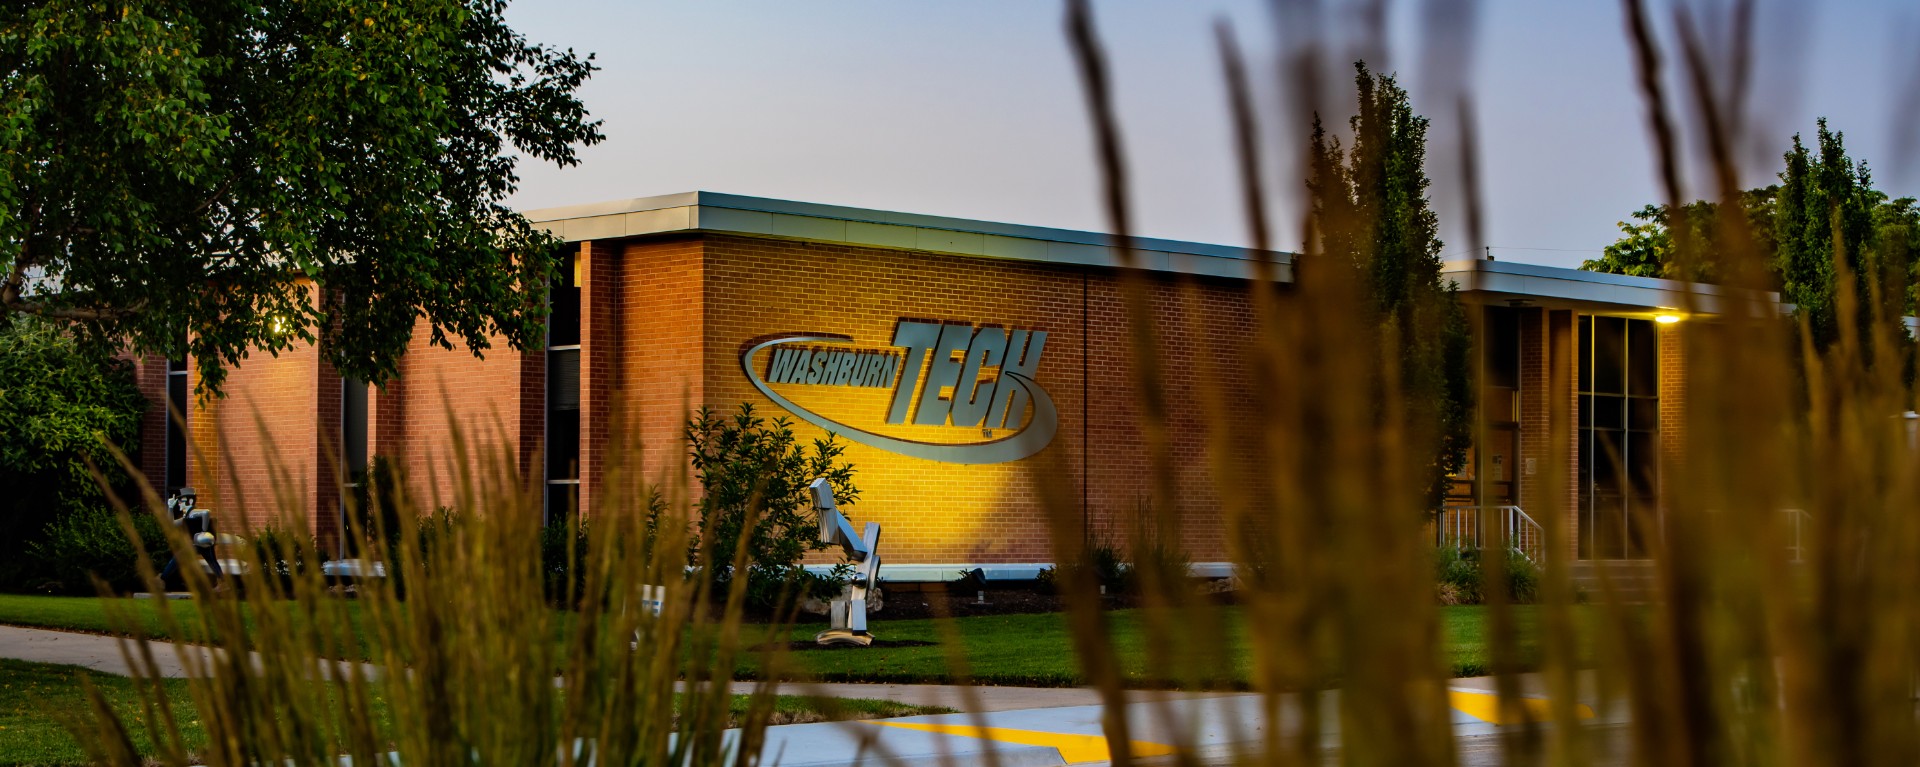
(953, 354)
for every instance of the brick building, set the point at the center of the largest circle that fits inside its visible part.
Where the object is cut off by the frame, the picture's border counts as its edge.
(838, 318)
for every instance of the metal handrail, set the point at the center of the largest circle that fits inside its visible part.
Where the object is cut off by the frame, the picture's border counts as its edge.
(1460, 526)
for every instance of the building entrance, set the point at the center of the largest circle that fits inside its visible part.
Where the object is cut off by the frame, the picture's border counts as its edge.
(1619, 437)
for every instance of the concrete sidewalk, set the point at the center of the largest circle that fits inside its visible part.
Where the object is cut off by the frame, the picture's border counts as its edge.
(1210, 730)
(1003, 726)
(104, 654)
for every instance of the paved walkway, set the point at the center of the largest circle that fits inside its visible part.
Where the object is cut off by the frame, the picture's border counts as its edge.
(1004, 726)
(105, 654)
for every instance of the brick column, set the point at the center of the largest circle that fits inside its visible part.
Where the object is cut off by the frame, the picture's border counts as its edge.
(599, 358)
(150, 447)
(1673, 405)
(328, 450)
(1549, 405)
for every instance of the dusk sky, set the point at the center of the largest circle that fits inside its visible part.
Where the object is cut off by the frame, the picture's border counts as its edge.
(974, 109)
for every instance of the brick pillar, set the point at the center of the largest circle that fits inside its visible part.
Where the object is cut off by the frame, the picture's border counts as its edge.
(1549, 405)
(532, 415)
(150, 447)
(1673, 405)
(599, 368)
(323, 510)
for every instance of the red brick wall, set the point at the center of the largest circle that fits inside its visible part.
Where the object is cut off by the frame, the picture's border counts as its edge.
(660, 350)
(259, 445)
(1549, 375)
(446, 399)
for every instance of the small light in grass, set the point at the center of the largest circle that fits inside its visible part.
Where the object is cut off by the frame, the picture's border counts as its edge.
(1666, 318)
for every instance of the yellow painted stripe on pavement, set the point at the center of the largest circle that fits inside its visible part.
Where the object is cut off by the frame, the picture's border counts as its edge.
(1075, 749)
(1485, 706)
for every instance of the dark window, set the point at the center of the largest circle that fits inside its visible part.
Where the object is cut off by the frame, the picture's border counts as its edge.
(563, 391)
(563, 414)
(563, 325)
(176, 420)
(353, 424)
(1619, 427)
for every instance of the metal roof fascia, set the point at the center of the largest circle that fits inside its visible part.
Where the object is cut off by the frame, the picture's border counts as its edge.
(718, 212)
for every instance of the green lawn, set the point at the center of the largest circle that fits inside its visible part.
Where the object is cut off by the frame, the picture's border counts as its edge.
(1026, 650)
(34, 698)
(1037, 650)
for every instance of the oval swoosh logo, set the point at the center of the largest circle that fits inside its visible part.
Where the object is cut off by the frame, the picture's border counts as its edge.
(1031, 439)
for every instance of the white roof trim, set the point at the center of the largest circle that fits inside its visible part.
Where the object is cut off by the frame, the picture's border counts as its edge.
(736, 214)
(1575, 288)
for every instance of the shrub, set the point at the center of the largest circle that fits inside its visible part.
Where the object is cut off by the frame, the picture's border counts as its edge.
(1460, 577)
(754, 478)
(79, 545)
(378, 497)
(60, 408)
(563, 546)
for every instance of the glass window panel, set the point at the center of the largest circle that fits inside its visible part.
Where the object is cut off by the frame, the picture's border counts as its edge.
(353, 424)
(1609, 453)
(563, 326)
(563, 379)
(1609, 412)
(563, 444)
(563, 502)
(176, 436)
(1585, 470)
(1503, 347)
(1643, 463)
(176, 366)
(1643, 526)
(1609, 355)
(1609, 527)
(1643, 414)
(1643, 359)
(1585, 335)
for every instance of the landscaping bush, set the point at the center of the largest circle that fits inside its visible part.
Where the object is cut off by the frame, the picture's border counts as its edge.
(1460, 577)
(79, 545)
(754, 476)
(563, 546)
(60, 408)
(377, 500)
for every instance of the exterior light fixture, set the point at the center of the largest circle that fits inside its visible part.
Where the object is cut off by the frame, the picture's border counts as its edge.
(1666, 318)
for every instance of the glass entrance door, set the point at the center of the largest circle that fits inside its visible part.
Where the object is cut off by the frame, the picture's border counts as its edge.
(1619, 392)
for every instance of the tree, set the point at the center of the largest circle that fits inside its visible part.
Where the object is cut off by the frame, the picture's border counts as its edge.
(1370, 208)
(217, 176)
(59, 410)
(1648, 249)
(753, 477)
(1825, 219)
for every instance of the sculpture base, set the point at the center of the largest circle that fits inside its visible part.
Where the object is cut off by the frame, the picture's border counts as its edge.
(843, 638)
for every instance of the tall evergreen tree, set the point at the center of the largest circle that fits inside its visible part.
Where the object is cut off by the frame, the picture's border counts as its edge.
(1371, 209)
(1825, 218)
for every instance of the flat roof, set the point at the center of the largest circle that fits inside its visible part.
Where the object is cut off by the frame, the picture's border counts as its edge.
(1480, 280)
(760, 216)
(1559, 287)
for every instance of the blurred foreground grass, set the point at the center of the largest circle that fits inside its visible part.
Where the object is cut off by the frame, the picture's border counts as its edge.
(1034, 650)
(35, 696)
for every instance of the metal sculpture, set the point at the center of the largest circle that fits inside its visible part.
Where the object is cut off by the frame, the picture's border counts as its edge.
(847, 615)
(198, 524)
